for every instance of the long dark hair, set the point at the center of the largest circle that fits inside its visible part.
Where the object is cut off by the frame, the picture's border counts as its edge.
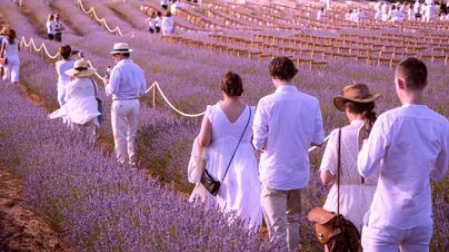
(366, 110)
(12, 36)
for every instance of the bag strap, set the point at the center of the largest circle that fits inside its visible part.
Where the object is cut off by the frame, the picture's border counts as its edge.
(240, 140)
(95, 88)
(338, 172)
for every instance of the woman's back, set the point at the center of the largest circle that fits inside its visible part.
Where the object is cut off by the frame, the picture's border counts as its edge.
(240, 188)
(226, 128)
(11, 49)
(61, 67)
(356, 193)
(80, 88)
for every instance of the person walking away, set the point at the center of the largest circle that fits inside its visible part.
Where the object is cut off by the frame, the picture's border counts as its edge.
(168, 24)
(226, 133)
(81, 108)
(50, 25)
(3, 37)
(152, 22)
(408, 146)
(62, 65)
(126, 84)
(286, 123)
(59, 27)
(10, 48)
(356, 192)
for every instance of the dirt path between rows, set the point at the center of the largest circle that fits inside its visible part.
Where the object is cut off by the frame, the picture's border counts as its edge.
(21, 230)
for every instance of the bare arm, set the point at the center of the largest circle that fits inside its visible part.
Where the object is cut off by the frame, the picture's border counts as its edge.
(327, 178)
(205, 135)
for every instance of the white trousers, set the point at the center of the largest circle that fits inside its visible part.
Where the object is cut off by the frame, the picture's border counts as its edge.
(125, 121)
(61, 96)
(390, 239)
(281, 210)
(12, 70)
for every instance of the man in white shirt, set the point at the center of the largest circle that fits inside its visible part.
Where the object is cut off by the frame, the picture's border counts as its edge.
(126, 84)
(408, 146)
(286, 123)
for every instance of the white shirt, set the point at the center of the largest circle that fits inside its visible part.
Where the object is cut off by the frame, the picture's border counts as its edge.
(127, 81)
(286, 123)
(167, 25)
(409, 145)
(61, 67)
(51, 27)
(158, 21)
(58, 26)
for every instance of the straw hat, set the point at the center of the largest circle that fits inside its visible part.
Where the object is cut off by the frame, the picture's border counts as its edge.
(120, 48)
(81, 69)
(358, 93)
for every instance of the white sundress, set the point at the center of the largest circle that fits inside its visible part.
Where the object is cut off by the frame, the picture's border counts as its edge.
(355, 197)
(240, 190)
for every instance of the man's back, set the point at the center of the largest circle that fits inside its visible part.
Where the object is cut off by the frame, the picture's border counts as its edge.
(286, 124)
(411, 145)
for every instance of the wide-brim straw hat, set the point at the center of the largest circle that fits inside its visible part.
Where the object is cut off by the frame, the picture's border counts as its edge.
(81, 68)
(120, 48)
(358, 93)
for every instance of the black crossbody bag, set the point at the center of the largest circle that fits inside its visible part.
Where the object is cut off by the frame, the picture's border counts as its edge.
(208, 181)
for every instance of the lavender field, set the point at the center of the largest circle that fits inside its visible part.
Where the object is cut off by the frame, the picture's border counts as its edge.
(98, 205)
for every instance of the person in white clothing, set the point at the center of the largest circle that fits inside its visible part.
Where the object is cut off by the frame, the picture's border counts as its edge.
(430, 11)
(126, 84)
(152, 23)
(174, 6)
(411, 12)
(286, 124)
(378, 10)
(58, 27)
(10, 48)
(226, 133)
(164, 4)
(3, 37)
(50, 25)
(168, 24)
(321, 15)
(408, 146)
(397, 15)
(82, 107)
(62, 65)
(356, 192)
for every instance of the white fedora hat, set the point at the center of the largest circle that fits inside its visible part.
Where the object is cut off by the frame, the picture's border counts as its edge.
(81, 69)
(120, 48)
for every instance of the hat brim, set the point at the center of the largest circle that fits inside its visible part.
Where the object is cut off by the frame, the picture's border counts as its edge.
(85, 73)
(339, 101)
(116, 52)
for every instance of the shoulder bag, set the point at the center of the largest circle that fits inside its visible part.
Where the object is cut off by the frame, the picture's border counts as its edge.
(335, 232)
(208, 181)
(100, 104)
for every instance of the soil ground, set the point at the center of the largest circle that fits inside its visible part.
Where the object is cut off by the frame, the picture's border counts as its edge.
(21, 230)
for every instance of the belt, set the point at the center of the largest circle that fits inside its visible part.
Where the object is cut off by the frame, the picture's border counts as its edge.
(124, 99)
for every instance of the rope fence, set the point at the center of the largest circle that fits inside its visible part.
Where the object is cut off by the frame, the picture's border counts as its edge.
(102, 21)
(155, 87)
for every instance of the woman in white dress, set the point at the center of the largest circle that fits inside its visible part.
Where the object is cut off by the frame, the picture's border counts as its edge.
(10, 48)
(82, 107)
(224, 124)
(62, 65)
(356, 192)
